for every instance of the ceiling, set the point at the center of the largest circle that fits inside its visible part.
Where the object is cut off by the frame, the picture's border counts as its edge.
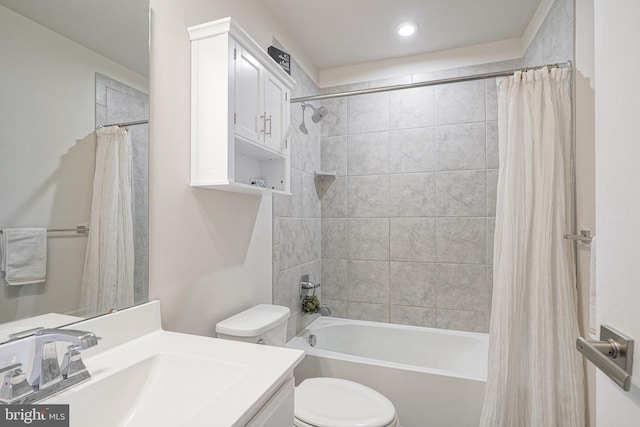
(117, 29)
(337, 33)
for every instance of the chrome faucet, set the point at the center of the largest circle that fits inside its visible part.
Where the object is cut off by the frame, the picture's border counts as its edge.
(46, 370)
(47, 377)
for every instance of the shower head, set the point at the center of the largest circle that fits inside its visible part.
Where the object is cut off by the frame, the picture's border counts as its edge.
(319, 113)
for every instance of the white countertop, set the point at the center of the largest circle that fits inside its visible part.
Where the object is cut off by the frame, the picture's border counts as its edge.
(145, 376)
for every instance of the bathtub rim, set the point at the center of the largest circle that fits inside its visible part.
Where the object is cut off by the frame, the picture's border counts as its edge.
(299, 342)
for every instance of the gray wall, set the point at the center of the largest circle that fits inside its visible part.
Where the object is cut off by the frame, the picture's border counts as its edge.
(554, 41)
(407, 227)
(296, 218)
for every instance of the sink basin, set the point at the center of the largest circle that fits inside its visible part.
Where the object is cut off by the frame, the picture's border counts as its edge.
(162, 390)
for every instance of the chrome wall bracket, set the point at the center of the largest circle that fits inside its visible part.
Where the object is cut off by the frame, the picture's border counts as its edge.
(613, 355)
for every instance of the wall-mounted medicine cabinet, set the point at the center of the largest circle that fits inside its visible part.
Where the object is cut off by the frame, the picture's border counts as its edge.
(239, 112)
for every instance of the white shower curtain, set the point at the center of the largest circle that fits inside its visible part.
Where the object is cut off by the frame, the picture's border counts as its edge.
(107, 282)
(535, 374)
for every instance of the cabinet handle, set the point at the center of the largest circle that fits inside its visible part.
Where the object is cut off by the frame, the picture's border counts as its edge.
(265, 125)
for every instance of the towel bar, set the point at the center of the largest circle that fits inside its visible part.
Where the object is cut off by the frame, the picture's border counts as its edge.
(613, 355)
(80, 229)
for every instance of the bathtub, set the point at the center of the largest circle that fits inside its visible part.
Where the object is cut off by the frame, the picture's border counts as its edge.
(434, 377)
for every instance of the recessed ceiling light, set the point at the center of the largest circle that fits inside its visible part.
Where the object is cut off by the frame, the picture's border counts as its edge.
(407, 29)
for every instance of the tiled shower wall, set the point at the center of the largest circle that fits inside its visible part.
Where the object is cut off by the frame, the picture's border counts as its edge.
(296, 218)
(554, 41)
(407, 225)
(406, 228)
(117, 103)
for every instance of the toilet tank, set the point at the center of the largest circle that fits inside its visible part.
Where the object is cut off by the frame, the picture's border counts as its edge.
(264, 324)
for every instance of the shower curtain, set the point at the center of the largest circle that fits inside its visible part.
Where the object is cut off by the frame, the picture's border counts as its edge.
(107, 281)
(535, 374)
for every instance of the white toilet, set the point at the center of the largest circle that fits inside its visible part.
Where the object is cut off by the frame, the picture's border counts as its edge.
(319, 402)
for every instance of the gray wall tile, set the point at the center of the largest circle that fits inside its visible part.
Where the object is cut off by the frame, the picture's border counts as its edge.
(461, 146)
(461, 240)
(334, 199)
(413, 283)
(492, 145)
(297, 225)
(413, 239)
(368, 154)
(460, 103)
(334, 279)
(462, 320)
(492, 187)
(461, 193)
(491, 229)
(312, 235)
(368, 281)
(417, 192)
(412, 195)
(335, 123)
(368, 238)
(334, 238)
(413, 316)
(368, 196)
(338, 307)
(310, 200)
(334, 154)
(372, 312)
(412, 150)
(291, 243)
(368, 113)
(463, 287)
(286, 289)
(492, 99)
(411, 108)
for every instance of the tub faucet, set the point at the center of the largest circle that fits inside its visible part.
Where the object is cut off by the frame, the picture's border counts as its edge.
(46, 370)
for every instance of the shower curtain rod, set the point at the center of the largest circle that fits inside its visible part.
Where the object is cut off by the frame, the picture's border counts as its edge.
(138, 122)
(461, 79)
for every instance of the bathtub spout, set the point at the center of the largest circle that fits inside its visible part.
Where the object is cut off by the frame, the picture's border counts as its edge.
(324, 310)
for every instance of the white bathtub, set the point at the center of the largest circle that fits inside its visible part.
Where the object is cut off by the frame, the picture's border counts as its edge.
(434, 377)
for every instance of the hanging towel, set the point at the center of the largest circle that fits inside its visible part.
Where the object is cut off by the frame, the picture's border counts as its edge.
(23, 255)
(593, 327)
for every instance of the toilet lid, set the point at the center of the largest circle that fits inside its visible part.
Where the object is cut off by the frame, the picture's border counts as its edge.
(333, 402)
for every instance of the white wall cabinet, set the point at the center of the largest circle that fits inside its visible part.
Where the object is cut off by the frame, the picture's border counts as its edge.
(239, 112)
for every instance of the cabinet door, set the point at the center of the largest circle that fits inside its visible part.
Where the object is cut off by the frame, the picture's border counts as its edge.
(249, 119)
(276, 106)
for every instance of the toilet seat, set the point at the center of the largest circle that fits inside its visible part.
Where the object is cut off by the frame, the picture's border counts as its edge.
(334, 402)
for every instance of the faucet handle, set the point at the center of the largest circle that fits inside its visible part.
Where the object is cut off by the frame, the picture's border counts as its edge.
(14, 384)
(72, 363)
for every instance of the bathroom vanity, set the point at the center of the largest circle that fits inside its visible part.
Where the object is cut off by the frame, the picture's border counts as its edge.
(144, 376)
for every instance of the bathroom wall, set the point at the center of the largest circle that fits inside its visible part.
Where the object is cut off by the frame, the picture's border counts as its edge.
(296, 218)
(210, 251)
(117, 102)
(554, 41)
(47, 152)
(407, 225)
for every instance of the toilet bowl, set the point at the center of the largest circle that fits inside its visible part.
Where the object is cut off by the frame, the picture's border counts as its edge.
(319, 402)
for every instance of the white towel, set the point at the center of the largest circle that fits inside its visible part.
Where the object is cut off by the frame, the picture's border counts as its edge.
(23, 255)
(593, 327)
